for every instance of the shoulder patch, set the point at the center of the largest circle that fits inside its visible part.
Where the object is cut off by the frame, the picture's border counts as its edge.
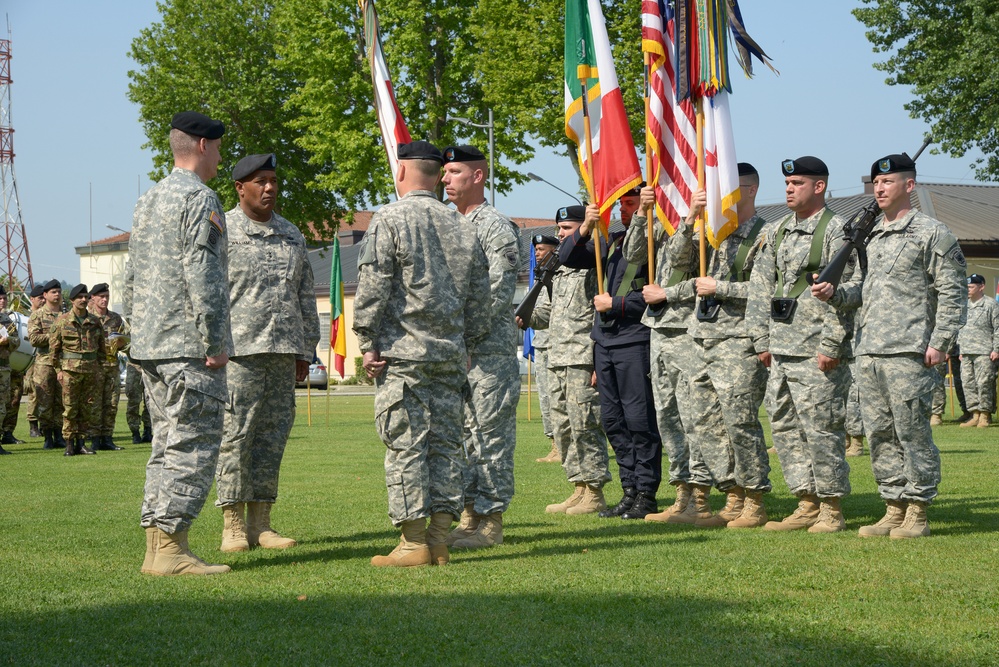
(956, 256)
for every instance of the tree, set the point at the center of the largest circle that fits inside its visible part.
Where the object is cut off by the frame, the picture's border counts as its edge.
(947, 52)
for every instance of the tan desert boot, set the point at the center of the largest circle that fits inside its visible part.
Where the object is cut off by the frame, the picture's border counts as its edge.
(437, 536)
(591, 502)
(174, 557)
(147, 562)
(680, 504)
(975, 416)
(562, 507)
(893, 518)
(936, 420)
(735, 498)
(830, 517)
(854, 445)
(803, 517)
(466, 526)
(753, 515)
(488, 534)
(984, 419)
(697, 507)
(552, 456)
(412, 550)
(914, 524)
(258, 528)
(234, 529)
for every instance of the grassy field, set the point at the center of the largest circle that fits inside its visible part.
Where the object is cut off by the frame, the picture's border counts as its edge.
(559, 591)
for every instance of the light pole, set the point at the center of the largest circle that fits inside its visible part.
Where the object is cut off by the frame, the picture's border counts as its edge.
(535, 177)
(492, 152)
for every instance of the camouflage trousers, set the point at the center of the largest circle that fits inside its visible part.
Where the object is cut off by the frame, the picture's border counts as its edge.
(733, 379)
(895, 398)
(854, 422)
(48, 394)
(32, 409)
(81, 388)
(490, 432)
(418, 408)
(576, 426)
(807, 412)
(5, 391)
(186, 400)
(978, 374)
(107, 402)
(14, 404)
(136, 409)
(544, 393)
(939, 400)
(673, 363)
(258, 418)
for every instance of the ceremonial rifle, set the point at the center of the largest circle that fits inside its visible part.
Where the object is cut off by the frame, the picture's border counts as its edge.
(544, 274)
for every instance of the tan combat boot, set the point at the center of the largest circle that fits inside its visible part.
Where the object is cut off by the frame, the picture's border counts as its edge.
(914, 524)
(734, 501)
(466, 526)
(680, 504)
(591, 502)
(830, 517)
(893, 518)
(984, 419)
(412, 551)
(936, 420)
(975, 416)
(258, 528)
(173, 557)
(697, 507)
(854, 445)
(234, 529)
(553, 455)
(562, 507)
(488, 534)
(805, 516)
(437, 536)
(147, 562)
(753, 515)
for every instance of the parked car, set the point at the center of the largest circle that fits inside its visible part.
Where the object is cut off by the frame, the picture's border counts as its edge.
(318, 378)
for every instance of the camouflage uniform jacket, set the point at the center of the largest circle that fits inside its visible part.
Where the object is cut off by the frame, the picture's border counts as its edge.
(176, 281)
(499, 238)
(915, 290)
(679, 297)
(13, 340)
(981, 333)
(542, 339)
(422, 286)
(569, 317)
(111, 322)
(272, 292)
(39, 324)
(816, 326)
(684, 255)
(72, 336)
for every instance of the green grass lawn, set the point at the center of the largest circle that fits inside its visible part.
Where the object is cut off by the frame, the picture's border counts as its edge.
(560, 591)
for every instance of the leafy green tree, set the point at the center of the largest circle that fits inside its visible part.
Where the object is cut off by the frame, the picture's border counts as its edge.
(947, 52)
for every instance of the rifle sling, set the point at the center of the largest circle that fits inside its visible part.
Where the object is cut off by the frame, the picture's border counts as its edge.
(814, 255)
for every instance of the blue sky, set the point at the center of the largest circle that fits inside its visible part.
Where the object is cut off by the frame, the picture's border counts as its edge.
(76, 130)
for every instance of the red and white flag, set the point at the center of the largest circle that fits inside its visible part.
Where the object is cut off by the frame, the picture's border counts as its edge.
(721, 169)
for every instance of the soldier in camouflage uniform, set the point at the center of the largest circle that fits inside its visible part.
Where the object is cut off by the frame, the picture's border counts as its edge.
(671, 306)
(77, 349)
(9, 341)
(913, 300)
(15, 381)
(37, 297)
(494, 375)
(275, 330)
(979, 343)
(575, 405)
(421, 308)
(48, 393)
(136, 410)
(803, 341)
(544, 244)
(109, 389)
(177, 304)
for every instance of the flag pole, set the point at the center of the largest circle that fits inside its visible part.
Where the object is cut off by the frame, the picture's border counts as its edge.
(950, 375)
(703, 247)
(308, 397)
(329, 365)
(648, 175)
(594, 233)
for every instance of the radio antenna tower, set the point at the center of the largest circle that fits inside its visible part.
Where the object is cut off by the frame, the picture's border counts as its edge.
(17, 267)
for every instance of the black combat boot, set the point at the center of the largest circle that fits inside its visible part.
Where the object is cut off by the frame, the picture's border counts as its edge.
(136, 438)
(645, 503)
(4, 451)
(81, 446)
(50, 441)
(147, 434)
(57, 437)
(33, 431)
(70, 448)
(622, 507)
(96, 443)
(108, 441)
(9, 439)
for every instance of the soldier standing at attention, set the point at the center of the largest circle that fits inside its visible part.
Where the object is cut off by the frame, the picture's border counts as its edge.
(275, 330)
(494, 375)
(109, 388)
(37, 297)
(420, 310)
(77, 349)
(979, 343)
(136, 410)
(543, 245)
(805, 344)
(48, 393)
(913, 305)
(177, 303)
(15, 381)
(8, 343)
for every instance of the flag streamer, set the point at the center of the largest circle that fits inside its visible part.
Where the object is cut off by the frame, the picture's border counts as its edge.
(338, 330)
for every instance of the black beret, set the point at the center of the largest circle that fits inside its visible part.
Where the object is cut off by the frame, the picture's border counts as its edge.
(420, 150)
(543, 239)
(635, 191)
(892, 164)
(78, 290)
(746, 169)
(52, 284)
(570, 214)
(976, 279)
(99, 288)
(807, 165)
(198, 125)
(462, 154)
(37, 290)
(252, 163)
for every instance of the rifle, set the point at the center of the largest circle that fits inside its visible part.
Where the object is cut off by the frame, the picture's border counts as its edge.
(544, 274)
(856, 235)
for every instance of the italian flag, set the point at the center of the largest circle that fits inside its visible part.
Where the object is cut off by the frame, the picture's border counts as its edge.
(589, 65)
(338, 333)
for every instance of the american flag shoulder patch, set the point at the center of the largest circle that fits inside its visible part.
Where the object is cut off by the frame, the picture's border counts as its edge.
(217, 220)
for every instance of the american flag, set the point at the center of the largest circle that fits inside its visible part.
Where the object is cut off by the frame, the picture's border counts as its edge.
(671, 127)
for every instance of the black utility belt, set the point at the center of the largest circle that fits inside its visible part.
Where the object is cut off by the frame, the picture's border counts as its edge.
(782, 309)
(84, 356)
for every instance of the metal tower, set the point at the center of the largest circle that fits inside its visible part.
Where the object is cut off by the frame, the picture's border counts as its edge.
(16, 269)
